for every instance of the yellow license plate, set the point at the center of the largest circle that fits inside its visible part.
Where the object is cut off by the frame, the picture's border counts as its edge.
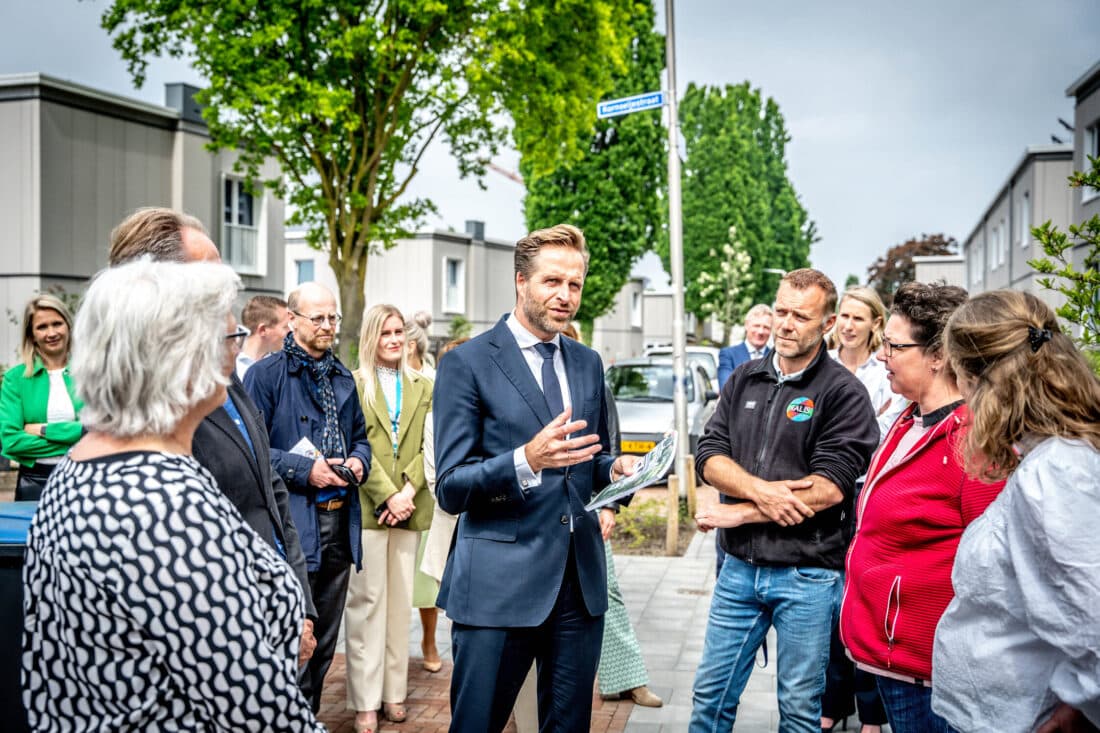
(637, 446)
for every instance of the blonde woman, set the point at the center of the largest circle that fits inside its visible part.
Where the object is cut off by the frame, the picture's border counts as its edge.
(396, 507)
(38, 405)
(1018, 649)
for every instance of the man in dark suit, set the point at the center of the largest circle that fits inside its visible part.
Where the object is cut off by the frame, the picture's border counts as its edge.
(758, 329)
(521, 445)
(231, 442)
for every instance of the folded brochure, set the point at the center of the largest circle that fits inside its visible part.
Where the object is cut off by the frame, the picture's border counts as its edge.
(651, 469)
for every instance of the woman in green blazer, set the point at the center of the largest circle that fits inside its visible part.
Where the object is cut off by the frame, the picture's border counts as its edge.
(38, 407)
(396, 507)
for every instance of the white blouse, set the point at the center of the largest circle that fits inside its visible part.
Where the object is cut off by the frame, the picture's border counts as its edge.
(1023, 631)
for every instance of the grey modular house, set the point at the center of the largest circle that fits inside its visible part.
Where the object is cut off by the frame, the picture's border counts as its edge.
(77, 160)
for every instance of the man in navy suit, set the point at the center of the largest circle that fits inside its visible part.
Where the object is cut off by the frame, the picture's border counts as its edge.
(521, 445)
(758, 329)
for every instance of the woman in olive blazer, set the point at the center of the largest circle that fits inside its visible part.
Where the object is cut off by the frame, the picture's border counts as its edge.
(38, 405)
(396, 507)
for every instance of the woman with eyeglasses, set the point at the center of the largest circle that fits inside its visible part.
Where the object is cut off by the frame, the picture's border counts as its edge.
(39, 408)
(396, 507)
(1019, 647)
(916, 502)
(856, 340)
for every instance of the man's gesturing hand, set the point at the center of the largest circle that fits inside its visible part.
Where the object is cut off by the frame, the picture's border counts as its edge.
(551, 449)
(776, 501)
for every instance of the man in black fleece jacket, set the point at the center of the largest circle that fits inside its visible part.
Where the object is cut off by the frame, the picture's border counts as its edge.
(791, 435)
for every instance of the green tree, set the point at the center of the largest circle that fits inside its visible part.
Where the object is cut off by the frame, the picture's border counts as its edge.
(347, 95)
(614, 192)
(896, 267)
(459, 328)
(851, 281)
(723, 293)
(736, 175)
(1081, 287)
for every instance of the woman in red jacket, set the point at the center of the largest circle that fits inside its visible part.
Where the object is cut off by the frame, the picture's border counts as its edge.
(915, 504)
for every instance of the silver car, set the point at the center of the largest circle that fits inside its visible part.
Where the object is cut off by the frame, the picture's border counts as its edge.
(642, 389)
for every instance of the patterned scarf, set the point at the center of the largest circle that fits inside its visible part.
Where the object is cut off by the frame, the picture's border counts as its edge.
(320, 386)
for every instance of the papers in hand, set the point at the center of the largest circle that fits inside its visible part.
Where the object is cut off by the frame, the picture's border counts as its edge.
(305, 448)
(651, 469)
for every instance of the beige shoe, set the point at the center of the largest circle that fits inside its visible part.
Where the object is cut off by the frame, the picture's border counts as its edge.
(644, 696)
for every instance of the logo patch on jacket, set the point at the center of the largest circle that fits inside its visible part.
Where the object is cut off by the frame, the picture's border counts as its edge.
(800, 409)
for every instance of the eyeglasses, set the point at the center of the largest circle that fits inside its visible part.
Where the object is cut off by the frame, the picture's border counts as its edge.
(238, 336)
(319, 321)
(889, 347)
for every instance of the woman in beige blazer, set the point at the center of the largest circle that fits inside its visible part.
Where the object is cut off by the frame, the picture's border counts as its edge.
(396, 507)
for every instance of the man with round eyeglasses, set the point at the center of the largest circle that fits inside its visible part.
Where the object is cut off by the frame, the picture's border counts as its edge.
(319, 446)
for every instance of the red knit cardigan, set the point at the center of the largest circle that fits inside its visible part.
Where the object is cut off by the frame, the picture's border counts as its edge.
(909, 520)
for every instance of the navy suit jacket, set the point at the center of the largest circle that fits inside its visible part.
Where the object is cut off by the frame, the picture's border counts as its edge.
(245, 476)
(512, 544)
(290, 413)
(729, 359)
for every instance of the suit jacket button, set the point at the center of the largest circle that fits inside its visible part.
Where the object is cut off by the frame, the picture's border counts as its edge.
(565, 519)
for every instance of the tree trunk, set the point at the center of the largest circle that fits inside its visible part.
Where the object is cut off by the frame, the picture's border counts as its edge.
(587, 327)
(352, 305)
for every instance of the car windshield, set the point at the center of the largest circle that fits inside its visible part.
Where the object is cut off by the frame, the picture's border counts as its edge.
(703, 358)
(645, 383)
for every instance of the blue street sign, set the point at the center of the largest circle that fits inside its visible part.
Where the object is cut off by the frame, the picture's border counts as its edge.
(626, 105)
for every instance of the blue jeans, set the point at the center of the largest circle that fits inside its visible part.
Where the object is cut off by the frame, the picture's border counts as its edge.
(909, 707)
(802, 603)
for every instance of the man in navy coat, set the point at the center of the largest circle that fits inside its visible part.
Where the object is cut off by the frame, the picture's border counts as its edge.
(521, 446)
(758, 329)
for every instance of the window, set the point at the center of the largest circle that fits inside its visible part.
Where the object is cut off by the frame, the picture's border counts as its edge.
(240, 227)
(1024, 228)
(636, 309)
(1002, 241)
(976, 263)
(995, 253)
(454, 285)
(305, 270)
(1092, 147)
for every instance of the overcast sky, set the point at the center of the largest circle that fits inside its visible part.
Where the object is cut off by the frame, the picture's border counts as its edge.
(905, 117)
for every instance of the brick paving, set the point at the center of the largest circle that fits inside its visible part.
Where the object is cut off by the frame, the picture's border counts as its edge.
(429, 708)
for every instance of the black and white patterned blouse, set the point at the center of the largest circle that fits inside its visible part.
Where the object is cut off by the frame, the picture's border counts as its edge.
(151, 605)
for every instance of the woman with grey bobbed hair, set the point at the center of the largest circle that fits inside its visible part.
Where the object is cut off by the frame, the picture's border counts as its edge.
(137, 566)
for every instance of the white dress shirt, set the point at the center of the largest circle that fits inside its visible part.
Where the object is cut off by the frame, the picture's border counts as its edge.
(526, 341)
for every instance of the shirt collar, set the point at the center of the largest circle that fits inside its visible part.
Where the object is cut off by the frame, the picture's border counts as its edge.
(525, 338)
(786, 377)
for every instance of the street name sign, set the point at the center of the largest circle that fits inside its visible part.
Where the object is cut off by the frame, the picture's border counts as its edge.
(626, 105)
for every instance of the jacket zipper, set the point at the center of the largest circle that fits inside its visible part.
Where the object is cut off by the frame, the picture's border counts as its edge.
(769, 406)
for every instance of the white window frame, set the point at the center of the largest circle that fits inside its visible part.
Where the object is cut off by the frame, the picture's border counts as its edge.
(977, 274)
(1025, 220)
(636, 309)
(1092, 147)
(235, 238)
(1002, 242)
(457, 305)
(298, 269)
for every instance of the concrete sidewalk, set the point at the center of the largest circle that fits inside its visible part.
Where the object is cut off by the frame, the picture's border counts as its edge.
(668, 599)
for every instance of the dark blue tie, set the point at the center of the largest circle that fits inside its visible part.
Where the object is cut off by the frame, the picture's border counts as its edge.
(551, 388)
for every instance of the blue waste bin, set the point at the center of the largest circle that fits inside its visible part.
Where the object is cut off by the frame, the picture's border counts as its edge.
(15, 519)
